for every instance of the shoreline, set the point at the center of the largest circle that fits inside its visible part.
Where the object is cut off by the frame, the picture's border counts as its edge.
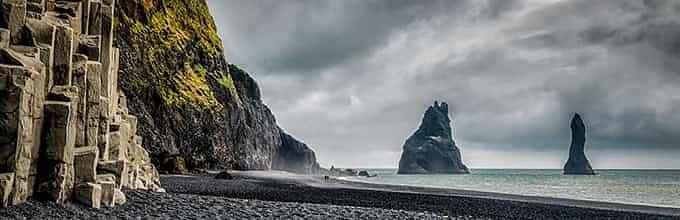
(282, 195)
(580, 203)
(286, 187)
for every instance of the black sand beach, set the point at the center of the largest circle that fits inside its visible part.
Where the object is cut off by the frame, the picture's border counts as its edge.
(293, 188)
(277, 195)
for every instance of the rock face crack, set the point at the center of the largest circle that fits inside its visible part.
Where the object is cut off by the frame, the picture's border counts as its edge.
(431, 149)
(578, 164)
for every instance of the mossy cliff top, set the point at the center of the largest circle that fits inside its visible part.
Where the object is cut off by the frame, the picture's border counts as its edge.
(176, 44)
(191, 105)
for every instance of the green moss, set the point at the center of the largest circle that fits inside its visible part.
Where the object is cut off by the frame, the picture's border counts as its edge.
(228, 84)
(179, 21)
(169, 36)
(191, 87)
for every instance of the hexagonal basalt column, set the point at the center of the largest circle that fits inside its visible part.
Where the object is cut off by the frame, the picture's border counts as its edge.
(85, 164)
(80, 80)
(80, 144)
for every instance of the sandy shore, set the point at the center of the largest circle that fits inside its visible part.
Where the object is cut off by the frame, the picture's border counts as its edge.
(279, 195)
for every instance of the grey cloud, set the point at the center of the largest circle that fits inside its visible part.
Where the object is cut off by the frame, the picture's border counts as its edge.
(352, 78)
(307, 36)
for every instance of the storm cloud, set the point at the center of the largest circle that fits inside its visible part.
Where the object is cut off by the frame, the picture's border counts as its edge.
(352, 78)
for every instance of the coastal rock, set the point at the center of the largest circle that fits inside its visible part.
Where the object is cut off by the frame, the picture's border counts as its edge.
(341, 172)
(578, 164)
(119, 197)
(365, 173)
(108, 192)
(224, 175)
(60, 102)
(295, 156)
(431, 148)
(89, 194)
(85, 164)
(6, 182)
(173, 164)
(196, 105)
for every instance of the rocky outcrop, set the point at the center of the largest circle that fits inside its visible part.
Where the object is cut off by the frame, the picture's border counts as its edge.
(189, 101)
(295, 156)
(66, 130)
(431, 148)
(578, 164)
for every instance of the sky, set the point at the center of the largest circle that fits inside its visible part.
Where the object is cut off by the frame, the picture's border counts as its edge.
(352, 78)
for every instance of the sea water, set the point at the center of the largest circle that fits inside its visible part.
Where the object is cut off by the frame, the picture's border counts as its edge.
(647, 187)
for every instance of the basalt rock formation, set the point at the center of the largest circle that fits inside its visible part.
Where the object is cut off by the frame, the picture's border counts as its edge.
(191, 104)
(65, 130)
(431, 148)
(295, 156)
(578, 164)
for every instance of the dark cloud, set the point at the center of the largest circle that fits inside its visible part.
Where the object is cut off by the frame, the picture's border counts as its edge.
(352, 78)
(307, 36)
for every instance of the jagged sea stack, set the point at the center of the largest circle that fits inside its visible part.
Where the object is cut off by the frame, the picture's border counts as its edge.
(578, 164)
(431, 149)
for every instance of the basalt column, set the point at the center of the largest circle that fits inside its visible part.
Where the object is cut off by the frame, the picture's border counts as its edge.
(65, 132)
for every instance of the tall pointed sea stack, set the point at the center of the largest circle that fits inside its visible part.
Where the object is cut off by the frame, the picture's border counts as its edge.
(578, 164)
(431, 148)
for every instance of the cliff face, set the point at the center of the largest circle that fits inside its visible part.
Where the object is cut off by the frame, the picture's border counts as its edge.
(431, 148)
(295, 156)
(578, 164)
(192, 105)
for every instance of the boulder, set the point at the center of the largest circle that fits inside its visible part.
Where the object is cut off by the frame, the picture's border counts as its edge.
(173, 164)
(578, 164)
(224, 175)
(119, 197)
(431, 148)
(363, 173)
(108, 193)
(6, 183)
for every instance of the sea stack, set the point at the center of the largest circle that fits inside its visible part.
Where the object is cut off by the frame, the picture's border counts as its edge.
(578, 164)
(431, 149)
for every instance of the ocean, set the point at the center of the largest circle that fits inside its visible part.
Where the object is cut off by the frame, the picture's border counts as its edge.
(646, 187)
